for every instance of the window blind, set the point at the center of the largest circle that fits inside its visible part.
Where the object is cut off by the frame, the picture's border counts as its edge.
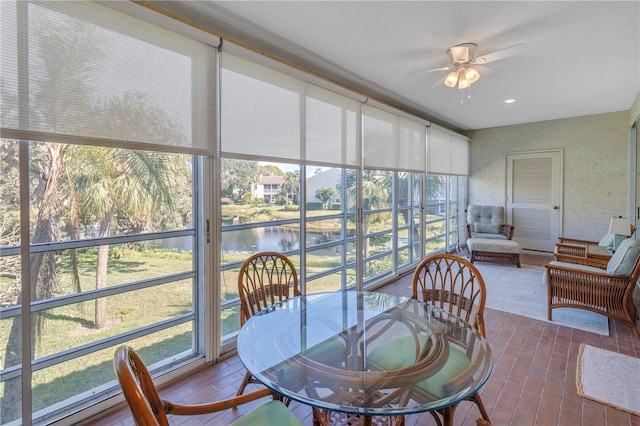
(260, 110)
(447, 152)
(267, 114)
(392, 142)
(331, 127)
(87, 73)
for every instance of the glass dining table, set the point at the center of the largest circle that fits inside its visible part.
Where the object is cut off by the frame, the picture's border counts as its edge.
(365, 353)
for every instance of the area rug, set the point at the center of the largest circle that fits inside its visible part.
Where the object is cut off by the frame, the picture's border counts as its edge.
(522, 291)
(609, 377)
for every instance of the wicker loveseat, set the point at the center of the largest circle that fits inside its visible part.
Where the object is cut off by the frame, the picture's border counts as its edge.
(597, 285)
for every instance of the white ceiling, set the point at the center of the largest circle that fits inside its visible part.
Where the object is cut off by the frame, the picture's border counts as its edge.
(582, 57)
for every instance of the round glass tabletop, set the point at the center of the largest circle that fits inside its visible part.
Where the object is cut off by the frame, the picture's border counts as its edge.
(365, 353)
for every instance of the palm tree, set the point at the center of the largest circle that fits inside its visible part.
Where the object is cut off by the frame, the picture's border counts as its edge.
(289, 188)
(376, 194)
(115, 184)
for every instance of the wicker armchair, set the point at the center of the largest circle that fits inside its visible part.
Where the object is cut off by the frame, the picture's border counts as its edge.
(149, 409)
(578, 247)
(596, 285)
(487, 222)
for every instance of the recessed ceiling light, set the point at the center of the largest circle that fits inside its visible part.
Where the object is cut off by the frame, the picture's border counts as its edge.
(509, 101)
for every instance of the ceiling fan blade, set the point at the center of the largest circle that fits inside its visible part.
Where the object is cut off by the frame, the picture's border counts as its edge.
(438, 83)
(487, 71)
(431, 70)
(516, 49)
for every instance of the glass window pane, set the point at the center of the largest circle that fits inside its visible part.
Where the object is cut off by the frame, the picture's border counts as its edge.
(80, 376)
(324, 190)
(10, 285)
(379, 243)
(10, 388)
(94, 192)
(77, 270)
(242, 243)
(230, 321)
(331, 282)
(320, 260)
(9, 196)
(376, 267)
(85, 193)
(10, 337)
(435, 213)
(229, 282)
(404, 256)
(324, 231)
(77, 324)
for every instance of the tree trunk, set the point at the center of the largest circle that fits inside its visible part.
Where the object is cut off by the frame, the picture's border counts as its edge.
(42, 278)
(101, 273)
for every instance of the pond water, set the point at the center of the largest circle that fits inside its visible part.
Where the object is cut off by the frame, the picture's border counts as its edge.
(270, 238)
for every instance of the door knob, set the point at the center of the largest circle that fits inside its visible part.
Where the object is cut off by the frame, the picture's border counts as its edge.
(556, 207)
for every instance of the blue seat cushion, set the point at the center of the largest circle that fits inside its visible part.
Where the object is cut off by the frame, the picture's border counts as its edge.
(624, 259)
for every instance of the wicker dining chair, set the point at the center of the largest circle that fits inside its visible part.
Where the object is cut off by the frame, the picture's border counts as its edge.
(148, 409)
(265, 279)
(453, 284)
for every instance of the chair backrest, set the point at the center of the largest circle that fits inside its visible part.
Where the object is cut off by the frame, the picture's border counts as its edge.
(485, 219)
(452, 283)
(624, 260)
(138, 388)
(607, 240)
(264, 279)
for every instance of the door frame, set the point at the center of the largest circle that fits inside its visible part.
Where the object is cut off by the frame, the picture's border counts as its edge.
(558, 190)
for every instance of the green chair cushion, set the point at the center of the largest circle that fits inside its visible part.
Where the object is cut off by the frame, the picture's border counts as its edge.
(396, 353)
(273, 413)
(331, 352)
(399, 352)
(457, 363)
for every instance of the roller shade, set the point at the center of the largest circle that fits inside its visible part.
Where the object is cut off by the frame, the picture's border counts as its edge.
(392, 142)
(87, 71)
(447, 152)
(268, 114)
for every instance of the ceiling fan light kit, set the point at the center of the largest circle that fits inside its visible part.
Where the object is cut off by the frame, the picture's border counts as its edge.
(463, 77)
(464, 69)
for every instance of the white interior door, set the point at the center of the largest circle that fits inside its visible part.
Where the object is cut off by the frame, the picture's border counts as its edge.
(534, 198)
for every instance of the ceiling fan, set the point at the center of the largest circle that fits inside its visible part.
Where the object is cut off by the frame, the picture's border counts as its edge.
(465, 68)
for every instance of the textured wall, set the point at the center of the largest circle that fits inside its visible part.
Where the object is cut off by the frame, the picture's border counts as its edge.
(596, 166)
